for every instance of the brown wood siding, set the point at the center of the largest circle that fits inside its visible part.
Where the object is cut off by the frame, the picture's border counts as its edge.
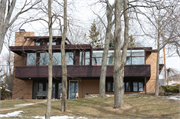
(78, 71)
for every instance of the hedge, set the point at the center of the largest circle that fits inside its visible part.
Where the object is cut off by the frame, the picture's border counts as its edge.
(173, 89)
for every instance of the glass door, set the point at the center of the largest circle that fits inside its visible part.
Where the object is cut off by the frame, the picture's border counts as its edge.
(73, 89)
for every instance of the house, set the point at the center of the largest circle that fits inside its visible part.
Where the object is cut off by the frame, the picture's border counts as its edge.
(83, 68)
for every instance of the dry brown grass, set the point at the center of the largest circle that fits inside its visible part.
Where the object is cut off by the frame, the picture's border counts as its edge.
(135, 107)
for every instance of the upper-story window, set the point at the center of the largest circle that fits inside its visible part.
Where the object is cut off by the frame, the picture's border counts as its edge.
(57, 58)
(44, 59)
(84, 58)
(134, 57)
(53, 43)
(40, 43)
(70, 58)
(31, 59)
(97, 57)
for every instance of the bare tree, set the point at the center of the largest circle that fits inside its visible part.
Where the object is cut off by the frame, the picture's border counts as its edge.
(7, 16)
(63, 61)
(50, 65)
(109, 15)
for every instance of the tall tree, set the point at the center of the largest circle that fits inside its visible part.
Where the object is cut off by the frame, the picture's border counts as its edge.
(50, 65)
(63, 61)
(93, 35)
(109, 14)
(6, 15)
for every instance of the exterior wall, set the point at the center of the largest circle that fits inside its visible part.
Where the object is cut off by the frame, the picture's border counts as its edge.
(22, 89)
(90, 86)
(151, 59)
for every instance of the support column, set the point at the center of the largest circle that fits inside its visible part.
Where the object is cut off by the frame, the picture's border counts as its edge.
(145, 84)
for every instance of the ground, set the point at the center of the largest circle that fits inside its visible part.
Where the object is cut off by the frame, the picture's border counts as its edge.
(136, 106)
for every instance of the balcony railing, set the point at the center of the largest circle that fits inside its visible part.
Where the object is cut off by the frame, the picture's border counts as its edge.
(26, 72)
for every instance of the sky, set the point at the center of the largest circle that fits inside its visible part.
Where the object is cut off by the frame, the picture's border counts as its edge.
(82, 15)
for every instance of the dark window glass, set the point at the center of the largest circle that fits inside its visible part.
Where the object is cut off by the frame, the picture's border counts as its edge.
(59, 90)
(128, 60)
(35, 89)
(140, 86)
(40, 86)
(53, 90)
(127, 86)
(135, 86)
(31, 59)
(109, 87)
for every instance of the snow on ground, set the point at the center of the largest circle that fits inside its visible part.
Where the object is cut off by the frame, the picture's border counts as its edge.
(174, 97)
(18, 114)
(12, 114)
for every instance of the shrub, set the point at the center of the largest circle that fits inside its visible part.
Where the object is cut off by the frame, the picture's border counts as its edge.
(173, 89)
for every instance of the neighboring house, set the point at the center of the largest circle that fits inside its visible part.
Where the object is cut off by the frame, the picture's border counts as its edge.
(83, 68)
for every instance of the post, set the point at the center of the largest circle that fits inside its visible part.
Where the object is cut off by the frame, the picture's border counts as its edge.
(145, 85)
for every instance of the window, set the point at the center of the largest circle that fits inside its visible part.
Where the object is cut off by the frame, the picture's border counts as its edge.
(69, 58)
(44, 59)
(57, 58)
(53, 43)
(135, 57)
(31, 59)
(40, 43)
(97, 57)
(84, 58)
(109, 86)
(127, 86)
(110, 60)
(137, 86)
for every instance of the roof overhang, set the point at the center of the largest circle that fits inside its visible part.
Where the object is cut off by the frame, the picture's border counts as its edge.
(20, 50)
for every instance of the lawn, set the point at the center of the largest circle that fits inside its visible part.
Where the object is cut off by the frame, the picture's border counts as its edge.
(136, 106)
(11, 103)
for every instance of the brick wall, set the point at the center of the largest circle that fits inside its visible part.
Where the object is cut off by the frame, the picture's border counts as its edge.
(151, 59)
(22, 89)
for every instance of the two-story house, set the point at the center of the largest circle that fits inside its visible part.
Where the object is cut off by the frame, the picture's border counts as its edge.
(83, 68)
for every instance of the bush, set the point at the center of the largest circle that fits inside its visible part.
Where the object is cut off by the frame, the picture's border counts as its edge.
(173, 89)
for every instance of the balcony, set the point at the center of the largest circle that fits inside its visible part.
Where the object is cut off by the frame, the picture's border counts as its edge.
(26, 72)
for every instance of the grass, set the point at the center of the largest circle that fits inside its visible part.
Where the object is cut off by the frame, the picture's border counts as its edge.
(11, 103)
(135, 107)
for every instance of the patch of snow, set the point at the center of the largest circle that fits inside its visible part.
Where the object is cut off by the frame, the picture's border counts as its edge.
(174, 97)
(12, 114)
(17, 114)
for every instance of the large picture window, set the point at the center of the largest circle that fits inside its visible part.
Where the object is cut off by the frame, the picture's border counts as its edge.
(31, 59)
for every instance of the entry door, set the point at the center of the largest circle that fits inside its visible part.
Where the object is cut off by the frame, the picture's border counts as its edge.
(73, 89)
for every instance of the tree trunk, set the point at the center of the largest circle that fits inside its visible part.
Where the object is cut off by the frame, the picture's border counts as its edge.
(105, 53)
(117, 73)
(50, 66)
(158, 48)
(63, 61)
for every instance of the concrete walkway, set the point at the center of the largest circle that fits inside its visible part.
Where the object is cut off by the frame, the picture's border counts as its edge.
(22, 105)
